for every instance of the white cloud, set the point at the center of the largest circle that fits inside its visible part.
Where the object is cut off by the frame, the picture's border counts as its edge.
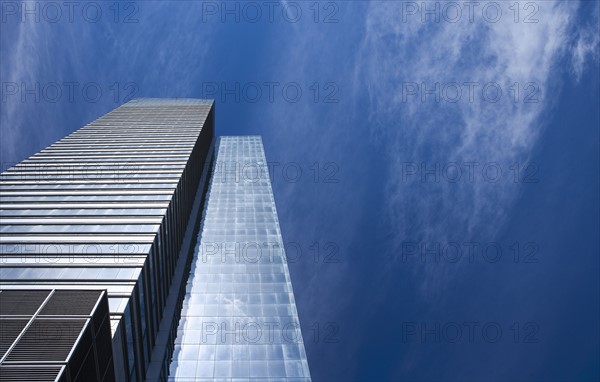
(586, 47)
(504, 132)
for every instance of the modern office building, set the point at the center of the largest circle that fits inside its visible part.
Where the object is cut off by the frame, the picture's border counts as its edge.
(239, 320)
(98, 235)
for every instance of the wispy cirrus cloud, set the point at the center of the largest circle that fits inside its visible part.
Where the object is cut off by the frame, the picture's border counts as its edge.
(405, 55)
(586, 46)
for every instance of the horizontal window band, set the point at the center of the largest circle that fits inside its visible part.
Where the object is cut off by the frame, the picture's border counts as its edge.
(58, 214)
(142, 130)
(6, 200)
(155, 109)
(148, 117)
(183, 127)
(71, 229)
(42, 157)
(108, 178)
(154, 112)
(60, 260)
(124, 145)
(91, 171)
(150, 120)
(101, 140)
(98, 168)
(89, 181)
(37, 161)
(170, 142)
(124, 135)
(153, 115)
(154, 122)
(60, 150)
(83, 176)
(107, 163)
(102, 161)
(79, 221)
(96, 179)
(129, 272)
(98, 141)
(117, 187)
(118, 287)
(98, 192)
(79, 250)
(148, 125)
(139, 135)
(106, 174)
(134, 107)
(188, 130)
(145, 128)
(123, 162)
(135, 134)
(82, 205)
(114, 290)
(158, 109)
(80, 238)
(115, 148)
(196, 119)
(99, 281)
(42, 227)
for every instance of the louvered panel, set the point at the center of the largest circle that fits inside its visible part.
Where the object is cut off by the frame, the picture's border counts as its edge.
(71, 303)
(30, 374)
(19, 302)
(9, 331)
(47, 340)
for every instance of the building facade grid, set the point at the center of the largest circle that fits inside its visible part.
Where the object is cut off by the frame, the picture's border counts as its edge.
(239, 320)
(106, 208)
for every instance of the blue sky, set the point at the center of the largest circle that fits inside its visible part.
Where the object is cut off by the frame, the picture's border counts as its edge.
(419, 139)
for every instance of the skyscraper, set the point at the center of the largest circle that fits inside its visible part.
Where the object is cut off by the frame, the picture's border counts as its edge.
(110, 216)
(239, 317)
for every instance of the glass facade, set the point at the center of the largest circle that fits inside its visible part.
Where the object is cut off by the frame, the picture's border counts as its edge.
(239, 320)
